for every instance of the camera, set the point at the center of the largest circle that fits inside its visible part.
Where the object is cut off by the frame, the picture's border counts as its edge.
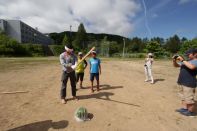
(175, 57)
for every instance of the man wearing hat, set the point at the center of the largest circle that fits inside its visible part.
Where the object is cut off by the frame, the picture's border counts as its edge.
(187, 81)
(80, 69)
(148, 68)
(95, 70)
(68, 61)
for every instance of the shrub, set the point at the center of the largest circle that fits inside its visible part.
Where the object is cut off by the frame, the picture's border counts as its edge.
(33, 49)
(56, 49)
(187, 45)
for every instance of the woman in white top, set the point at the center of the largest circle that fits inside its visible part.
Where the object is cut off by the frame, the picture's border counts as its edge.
(148, 68)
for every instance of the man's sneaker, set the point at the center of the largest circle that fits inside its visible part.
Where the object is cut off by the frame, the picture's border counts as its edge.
(181, 110)
(188, 113)
(146, 80)
(152, 82)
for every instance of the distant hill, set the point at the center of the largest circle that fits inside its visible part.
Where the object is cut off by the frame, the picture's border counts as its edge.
(58, 37)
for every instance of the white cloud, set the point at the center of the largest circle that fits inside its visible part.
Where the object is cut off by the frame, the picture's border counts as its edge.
(106, 16)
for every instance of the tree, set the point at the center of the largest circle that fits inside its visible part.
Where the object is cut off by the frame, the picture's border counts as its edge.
(161, 41)
(156, 48)
(2, 32)
(183, 40)
(173, 44)
(113, 48)
(80, 41)
(10, 47)
(187, 45)
(136, 45)
(67, 41)
(104, 47)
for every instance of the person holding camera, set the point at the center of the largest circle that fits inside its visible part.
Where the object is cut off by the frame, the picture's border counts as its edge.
(187, 80)
(148, 68)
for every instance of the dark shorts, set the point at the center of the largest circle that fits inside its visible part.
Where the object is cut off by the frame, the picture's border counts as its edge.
(79, 76)
(94, 75)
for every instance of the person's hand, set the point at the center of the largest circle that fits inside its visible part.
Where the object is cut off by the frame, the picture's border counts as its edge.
(180, 58)
(73, 67)
(70, 64)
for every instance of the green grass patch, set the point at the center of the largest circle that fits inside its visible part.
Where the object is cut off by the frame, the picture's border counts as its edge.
(8, 64)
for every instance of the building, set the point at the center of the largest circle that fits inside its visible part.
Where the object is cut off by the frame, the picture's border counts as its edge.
(23, 33)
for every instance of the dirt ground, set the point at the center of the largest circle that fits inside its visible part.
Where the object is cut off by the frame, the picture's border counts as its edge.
(125, 102)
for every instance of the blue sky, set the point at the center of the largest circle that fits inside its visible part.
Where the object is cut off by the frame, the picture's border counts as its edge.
(129, 18)
(172, 17)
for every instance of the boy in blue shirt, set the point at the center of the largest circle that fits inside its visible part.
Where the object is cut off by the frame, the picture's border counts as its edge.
(95, 70)
(187, 81)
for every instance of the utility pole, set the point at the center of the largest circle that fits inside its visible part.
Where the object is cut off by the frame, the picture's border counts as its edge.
(123, 52)
(70, 34)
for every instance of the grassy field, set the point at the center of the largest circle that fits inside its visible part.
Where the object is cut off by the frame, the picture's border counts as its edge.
(21, 63)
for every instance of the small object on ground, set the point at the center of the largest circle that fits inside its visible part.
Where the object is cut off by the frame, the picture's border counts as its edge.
(146, 80)
(181, 110)
(63, 101)
(81, 114)
(188, 113)
(14, 92)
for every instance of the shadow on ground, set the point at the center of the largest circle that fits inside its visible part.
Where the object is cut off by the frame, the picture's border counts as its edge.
(42, 126)
(105, 95)
(195, 108)
(158, 80)
(108, 87)
(105, 87)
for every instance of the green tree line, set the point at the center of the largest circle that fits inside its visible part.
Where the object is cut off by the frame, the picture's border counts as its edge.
(106, 45)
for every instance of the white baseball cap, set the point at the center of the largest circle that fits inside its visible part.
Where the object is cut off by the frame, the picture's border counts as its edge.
(150, 54)
(80, 53)
(94, 52)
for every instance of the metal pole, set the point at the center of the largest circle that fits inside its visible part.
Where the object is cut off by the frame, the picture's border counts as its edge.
(123, 53)
(70, 34)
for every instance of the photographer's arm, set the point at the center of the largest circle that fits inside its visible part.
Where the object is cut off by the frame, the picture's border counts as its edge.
(189, 65)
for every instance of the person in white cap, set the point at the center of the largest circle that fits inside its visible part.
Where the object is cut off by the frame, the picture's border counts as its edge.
(68, 61)
(148, 68)
(80, 69)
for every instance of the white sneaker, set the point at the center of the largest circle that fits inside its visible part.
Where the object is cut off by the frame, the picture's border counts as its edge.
(146, 80)
(63, 101)
(152, 82)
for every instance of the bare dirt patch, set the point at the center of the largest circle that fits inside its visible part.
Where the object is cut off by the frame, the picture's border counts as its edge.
(124, 103)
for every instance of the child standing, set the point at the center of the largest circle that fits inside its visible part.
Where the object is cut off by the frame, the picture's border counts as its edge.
(95, 69)
(80, 69)
(148, 68)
